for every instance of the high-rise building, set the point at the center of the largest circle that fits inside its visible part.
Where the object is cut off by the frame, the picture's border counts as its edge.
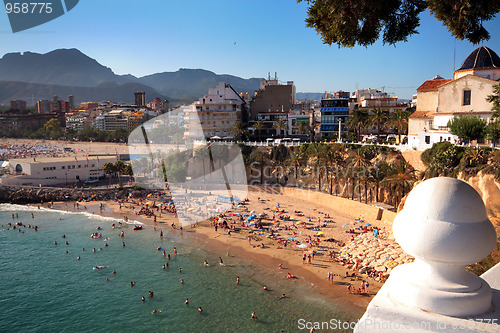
(18, 105)
(43, 106)
(140, 98)
(71, 101)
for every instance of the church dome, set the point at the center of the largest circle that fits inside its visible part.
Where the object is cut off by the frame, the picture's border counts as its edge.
(480, 58)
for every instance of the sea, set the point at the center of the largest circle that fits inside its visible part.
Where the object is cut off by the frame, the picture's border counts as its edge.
(44, 287)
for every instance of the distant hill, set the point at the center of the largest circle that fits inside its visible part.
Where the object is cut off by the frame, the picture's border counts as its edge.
(10, 90)
(72, 68)
(310, 96)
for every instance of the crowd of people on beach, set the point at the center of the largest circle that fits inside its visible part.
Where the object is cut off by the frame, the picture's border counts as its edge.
(12, 151)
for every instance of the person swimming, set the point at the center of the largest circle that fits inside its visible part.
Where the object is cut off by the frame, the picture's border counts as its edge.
(182, 281)
(187, 301)
(200, 310)
(254, 316)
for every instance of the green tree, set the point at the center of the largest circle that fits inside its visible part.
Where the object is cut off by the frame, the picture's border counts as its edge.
(360, 169)
(358, 119)
(259, 126)
(378, 118)
(281, 125)
(108, 169)
(261, 159)
(303, 127)
(467, 128)
(400, 180)
(399, 119)
(119, 168)
(201, 155)
(493, 131)
(495, 100)
(53, 128)
(239, 130)
(347, 23)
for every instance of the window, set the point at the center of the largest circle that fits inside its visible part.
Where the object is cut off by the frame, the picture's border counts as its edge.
(466, 97)
(63, 167)
(427, 139)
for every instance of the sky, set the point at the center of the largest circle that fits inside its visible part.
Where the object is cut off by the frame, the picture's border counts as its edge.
(246, 38)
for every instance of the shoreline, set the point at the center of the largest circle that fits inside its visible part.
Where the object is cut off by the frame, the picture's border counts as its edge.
(219, 243)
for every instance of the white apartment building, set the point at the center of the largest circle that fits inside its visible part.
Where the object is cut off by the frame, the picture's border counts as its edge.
(214, 114)
(43, 171)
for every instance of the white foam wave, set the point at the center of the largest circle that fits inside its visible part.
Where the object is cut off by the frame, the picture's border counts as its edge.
(21, 208)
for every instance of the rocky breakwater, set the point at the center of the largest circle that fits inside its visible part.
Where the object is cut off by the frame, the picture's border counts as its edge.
(369, 253)
(26, 195)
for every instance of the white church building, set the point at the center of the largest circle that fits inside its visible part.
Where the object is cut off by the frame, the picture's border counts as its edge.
(439, 100)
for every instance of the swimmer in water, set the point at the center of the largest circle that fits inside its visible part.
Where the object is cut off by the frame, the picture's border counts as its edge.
(143, 299)
(154, 311)
(114, 272)
(182, 281)
(254, 316)
(265, 287)
(55, 243)
(220, 261)
(187, 301)
(180, 270)
(78, 258)
(200, 310)
(282, 296)
(238, 281)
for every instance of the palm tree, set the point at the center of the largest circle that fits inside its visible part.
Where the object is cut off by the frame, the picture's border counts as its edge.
(358, 119)
(400, 180)
(377, 174)
(303, 127)
(261, 158)
(108, 169)
(334, 160)
(259, 126)
(360, 165)
(119, 168)
(295, 159)
(399, 119)
(239, 130)
(201, 155)
(281, 125)
(318, 151)
(378, 119)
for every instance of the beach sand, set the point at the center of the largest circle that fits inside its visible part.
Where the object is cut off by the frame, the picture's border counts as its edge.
(341, 211)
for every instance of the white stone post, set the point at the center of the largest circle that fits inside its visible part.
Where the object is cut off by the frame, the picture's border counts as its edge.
(444, 226)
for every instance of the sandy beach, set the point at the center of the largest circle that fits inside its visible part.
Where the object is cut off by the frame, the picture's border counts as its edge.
(325, 270)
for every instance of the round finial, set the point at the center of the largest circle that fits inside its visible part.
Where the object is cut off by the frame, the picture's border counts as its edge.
(445, 227)
(444, 219)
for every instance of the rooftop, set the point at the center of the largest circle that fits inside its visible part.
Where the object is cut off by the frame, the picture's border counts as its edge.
(480, 58)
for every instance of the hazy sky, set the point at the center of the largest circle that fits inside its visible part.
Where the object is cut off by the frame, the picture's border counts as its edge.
(247, 38)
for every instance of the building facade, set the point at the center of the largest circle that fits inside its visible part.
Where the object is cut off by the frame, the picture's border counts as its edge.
(214, 114)
(440, 100)
(55, 171)
(334, 113)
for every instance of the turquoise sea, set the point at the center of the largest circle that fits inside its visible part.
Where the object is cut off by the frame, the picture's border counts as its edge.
(44, 289)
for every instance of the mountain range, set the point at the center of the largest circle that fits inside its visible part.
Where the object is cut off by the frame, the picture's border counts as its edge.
(32, 76)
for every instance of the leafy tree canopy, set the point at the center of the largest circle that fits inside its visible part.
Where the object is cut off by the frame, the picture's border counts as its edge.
(347, 23)
(467, 127)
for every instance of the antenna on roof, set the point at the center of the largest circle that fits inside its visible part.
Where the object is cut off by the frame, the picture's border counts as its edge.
(268, 76)
(454, 54)
(276, 75)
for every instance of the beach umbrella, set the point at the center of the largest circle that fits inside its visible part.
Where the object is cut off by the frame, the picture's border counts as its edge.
(367, 225)
(345, 225)
(302, 246)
